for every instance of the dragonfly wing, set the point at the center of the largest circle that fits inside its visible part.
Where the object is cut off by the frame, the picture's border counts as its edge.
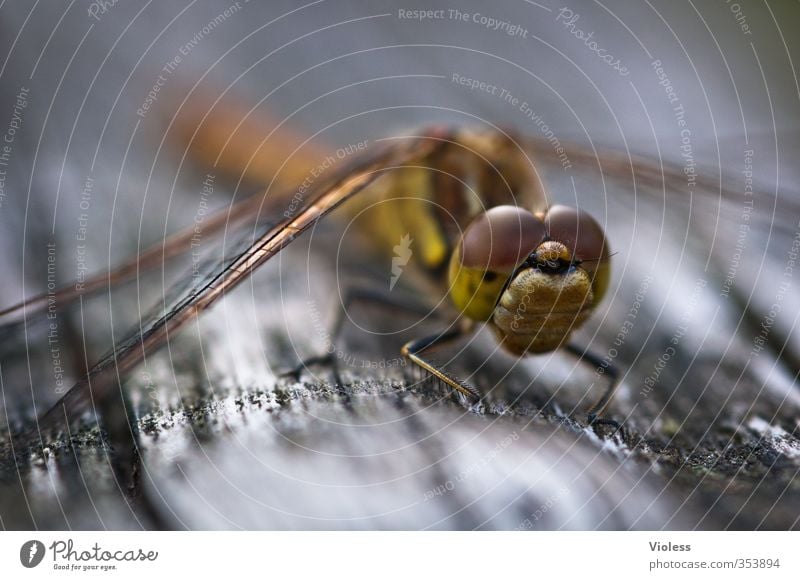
(155, 255)
(186, 301)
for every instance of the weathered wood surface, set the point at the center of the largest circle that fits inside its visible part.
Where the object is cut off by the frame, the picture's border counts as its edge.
(711, 436)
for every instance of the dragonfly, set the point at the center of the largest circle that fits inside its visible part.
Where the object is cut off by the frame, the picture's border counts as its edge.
(490, 240)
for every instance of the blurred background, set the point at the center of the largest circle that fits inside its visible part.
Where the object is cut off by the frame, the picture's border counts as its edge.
(94, 167)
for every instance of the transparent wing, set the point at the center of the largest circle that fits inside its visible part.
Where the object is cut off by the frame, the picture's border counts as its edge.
(224, 220)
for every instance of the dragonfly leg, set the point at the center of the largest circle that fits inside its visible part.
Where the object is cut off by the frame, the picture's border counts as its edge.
(594, 415)
(319, 360)
(351, 296)
(414, 350)
(125, 459)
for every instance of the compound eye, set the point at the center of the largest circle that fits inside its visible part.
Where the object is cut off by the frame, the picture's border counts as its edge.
(500, 239)
(579, 232)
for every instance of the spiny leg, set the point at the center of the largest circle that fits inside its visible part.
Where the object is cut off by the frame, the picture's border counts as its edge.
(352, 295)
(596, 411)
(413, 351)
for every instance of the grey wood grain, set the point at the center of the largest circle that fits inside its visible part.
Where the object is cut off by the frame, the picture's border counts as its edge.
(711, 436)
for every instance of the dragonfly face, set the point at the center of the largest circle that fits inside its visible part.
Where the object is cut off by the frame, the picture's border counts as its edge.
(534, 278)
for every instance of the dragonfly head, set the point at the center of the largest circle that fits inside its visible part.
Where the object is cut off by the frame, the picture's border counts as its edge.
(535, 277)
